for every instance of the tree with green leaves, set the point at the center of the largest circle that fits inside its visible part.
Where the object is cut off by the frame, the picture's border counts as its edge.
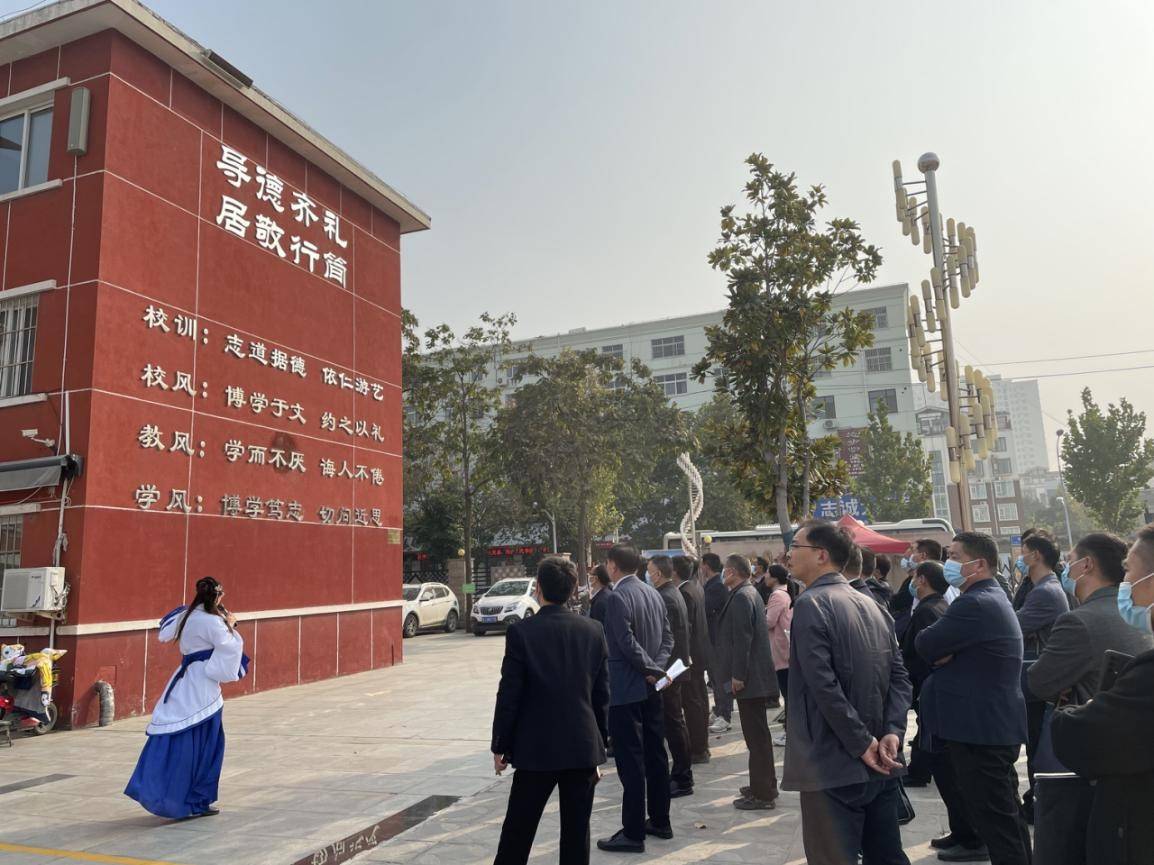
(449, 403)
(579, 437)
(1108, 461)
(783, 271)
(895, 483)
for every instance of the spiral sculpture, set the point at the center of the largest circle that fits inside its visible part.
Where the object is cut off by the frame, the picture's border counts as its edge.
(696, 503)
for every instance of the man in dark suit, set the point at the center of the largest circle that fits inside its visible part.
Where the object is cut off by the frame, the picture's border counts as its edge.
(551, 718)
(973, 704)
(929, 585)
(640, 646)
(716, 595)
(1108, 740)
(881, 591)
(599, 585)
(745, 666)
(661, 577)
(694, 695)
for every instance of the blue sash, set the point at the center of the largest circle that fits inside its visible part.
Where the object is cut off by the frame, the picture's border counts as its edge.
(185, 660)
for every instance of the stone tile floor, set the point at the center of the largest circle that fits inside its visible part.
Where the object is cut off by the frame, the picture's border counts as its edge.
(309, 765)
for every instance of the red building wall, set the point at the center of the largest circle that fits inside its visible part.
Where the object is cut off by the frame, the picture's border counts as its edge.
(134, 227)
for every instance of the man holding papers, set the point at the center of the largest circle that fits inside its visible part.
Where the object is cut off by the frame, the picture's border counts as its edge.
(745, 668)
(640, 650)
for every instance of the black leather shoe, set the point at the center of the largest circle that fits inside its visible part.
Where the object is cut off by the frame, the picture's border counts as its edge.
(676, 791)
(658, 832)
(621, 843)
(699, 759)
(964, 854)
(752, 803)
(944, 843)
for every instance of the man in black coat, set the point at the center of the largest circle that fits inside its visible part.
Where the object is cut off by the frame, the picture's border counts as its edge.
(930, 587)
(694, 695)
(551, 718)
(599, 586)
(1109, 740)
(661, 577)
(745, 666)
(716, 596)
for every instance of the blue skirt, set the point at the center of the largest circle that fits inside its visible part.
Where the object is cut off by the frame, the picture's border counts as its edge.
(177, 774)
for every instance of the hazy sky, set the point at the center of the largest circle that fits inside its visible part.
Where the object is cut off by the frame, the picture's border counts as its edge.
(573, 156)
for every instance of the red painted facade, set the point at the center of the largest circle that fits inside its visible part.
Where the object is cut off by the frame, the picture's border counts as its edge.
(134, 227)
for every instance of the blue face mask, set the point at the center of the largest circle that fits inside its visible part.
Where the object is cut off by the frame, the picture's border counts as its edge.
(953, 572)
(1068, 582)
(906, 564)
(1020, 567)
(1134, 615)
(913, 590)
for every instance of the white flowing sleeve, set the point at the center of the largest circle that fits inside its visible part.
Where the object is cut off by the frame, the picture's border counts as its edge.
(169, 625)
(228, 659)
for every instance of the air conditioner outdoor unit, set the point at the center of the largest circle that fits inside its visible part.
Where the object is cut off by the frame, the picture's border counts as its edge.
(829, 424)
(32, 590)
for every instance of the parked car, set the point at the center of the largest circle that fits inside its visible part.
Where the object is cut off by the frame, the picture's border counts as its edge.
(428, 605)
(507, 602)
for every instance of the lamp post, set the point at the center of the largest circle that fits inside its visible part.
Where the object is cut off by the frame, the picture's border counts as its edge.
(953, 276)
(1062, 482)
(1066, 511)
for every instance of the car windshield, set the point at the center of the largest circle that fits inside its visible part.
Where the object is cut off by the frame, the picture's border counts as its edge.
(507, 588)
(411, 592)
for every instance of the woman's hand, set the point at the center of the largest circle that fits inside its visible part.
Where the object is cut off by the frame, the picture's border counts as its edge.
(230, 620)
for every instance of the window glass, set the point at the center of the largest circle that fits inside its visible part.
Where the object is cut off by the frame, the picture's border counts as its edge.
(11, 149)
(39, 139)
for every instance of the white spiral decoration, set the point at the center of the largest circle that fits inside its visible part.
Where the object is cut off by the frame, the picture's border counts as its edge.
(696, 503)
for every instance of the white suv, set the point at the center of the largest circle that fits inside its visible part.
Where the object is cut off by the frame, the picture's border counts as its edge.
(506, 603)
(428, 605)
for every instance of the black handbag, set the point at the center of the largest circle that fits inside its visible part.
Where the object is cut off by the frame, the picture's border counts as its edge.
(1062, 802)
(906, 812)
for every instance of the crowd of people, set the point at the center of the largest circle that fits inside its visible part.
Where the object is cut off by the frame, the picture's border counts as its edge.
(1057, 657)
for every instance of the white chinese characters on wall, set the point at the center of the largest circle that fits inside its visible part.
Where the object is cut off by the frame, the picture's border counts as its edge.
(268, 233)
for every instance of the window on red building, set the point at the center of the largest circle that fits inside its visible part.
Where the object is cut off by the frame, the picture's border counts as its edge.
(17, 340)
(24, 140)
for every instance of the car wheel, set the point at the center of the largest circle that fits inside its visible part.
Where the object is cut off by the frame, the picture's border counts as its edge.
(411, 624)
(528, 614)
(451, 622)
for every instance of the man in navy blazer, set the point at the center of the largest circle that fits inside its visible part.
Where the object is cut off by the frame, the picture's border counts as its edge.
(640, 644)
(972, 706)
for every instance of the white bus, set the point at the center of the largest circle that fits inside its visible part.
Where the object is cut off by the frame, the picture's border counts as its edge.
(766, 540)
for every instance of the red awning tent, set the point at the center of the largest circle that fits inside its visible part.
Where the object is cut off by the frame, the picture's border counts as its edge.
(866, 537)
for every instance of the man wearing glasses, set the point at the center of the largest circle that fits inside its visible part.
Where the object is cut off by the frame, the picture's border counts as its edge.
(849, 695)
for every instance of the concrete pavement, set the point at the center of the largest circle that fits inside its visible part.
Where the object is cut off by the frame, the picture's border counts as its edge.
(386, 766)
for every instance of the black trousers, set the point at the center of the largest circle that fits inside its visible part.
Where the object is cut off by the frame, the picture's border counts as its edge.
(637, 730)
(676, 734)
(838, 823)
(921, 766)
(527, 798)
(755, 730)
(695, 705)
(988, 786)
(1035, 719)
(946, 779)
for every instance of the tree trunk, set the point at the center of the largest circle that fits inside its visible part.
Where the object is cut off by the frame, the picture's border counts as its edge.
(582, 547)
(467, 479)
(807, 458)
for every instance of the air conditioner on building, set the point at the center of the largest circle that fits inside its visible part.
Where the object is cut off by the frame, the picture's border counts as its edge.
(32, 590)
(829, 424)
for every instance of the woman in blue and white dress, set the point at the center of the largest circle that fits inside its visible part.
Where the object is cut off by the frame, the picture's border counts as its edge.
(178, 772)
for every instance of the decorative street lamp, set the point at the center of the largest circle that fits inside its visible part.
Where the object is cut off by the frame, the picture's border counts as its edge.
(953, 276)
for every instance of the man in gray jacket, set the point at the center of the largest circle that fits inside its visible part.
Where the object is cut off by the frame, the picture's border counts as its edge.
(745, 670)
(849, 695)
(1070, 664)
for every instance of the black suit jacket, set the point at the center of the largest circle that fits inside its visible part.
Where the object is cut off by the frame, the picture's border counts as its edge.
(716, 597)
(553, 701)
(932, 608)
(1108, 741)
(700, 650)
(678, 621)
(597, 605)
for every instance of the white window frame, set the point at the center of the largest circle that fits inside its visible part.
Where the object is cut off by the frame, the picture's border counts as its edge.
(16, 372)
(881, 316)
(26, 110)
(662, 346)
(1001, 487)
(679, 381)
(978, 491)
(824, 400)
(616, 350)
(981, 513)
(879, 359)
(1008, 511)
(872, 402)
